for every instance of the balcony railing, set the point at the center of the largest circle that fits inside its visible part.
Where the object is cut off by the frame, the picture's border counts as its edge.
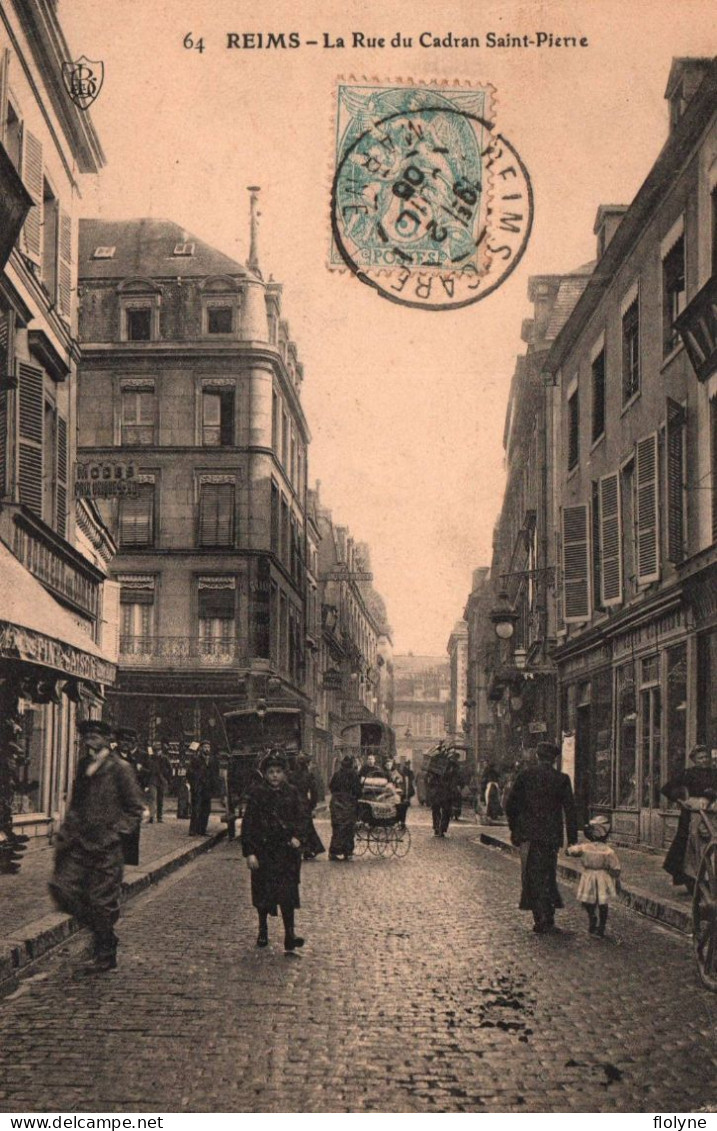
(180, 652)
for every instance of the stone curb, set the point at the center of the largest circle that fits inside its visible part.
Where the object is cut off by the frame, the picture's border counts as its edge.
(642, 902)
(42, 935)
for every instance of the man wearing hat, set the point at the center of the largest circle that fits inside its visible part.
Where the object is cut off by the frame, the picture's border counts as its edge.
(199, 778)
(698, 780)
(540, 800)
(128, 750)
(106, 803)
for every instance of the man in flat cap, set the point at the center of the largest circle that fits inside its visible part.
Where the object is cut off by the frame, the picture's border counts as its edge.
(541, 798)
(106, 803)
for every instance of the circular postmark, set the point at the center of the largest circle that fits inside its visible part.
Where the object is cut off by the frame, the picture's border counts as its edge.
(431, 206)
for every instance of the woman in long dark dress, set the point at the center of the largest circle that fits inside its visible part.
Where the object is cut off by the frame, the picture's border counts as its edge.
(271, 842)
(345, 788)
(698, 780)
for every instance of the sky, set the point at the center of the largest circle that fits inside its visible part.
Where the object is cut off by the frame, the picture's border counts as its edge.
(406, 407)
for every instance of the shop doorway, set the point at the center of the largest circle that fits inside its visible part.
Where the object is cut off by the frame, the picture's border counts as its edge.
(650, 740)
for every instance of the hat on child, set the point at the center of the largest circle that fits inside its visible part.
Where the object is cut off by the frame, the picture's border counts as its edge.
(599, 827)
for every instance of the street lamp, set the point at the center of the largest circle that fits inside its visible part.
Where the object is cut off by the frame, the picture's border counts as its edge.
(504, 617)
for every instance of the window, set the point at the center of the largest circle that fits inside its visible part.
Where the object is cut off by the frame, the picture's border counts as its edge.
(673, 294)
(631, 352)
(573, 430)
(675, 481)
(220, 319)
(275, 529)
(627, 508)
(217, 417)
(136, 518)
(139, 409)
(216, 514)
(137, 616)
(575, 564)
(285, 441)
(598, 396)
(50, 233)
(285, 533)
(184, 249)
(13, 136)
(104, 252)
(138, 323)
(676, 711)
(627, 737)
(216, 606)
(275, 422)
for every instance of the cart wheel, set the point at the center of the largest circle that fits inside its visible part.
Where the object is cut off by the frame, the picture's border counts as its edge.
(361, 833)
(378, 842)
(704, 917)
(401, 842)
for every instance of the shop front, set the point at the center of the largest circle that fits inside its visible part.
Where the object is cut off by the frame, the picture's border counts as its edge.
(51, 674)
(624, 705)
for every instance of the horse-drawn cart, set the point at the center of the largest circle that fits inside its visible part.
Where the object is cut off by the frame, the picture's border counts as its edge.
(701, 866)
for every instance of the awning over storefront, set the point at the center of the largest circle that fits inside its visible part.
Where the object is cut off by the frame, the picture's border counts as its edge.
(35, 628)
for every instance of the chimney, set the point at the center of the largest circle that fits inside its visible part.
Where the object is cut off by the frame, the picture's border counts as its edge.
(607, 222)
(682, 84)
(254, 214)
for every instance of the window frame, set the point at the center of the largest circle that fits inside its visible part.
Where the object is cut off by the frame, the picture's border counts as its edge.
(671, 310)
(206, 480)
(630, 347)
(573, 425)
(143, 480)
(144, 388)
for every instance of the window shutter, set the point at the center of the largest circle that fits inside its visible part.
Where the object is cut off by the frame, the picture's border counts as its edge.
(216, 604)
(3, 443)
(610, 541)
(216, 514)
(675, 481)
(31, 398)
(137, 517)
(576, 564)
(648, 552)
(31, 172)
(4, 81)
(61, 492)
(64, 264)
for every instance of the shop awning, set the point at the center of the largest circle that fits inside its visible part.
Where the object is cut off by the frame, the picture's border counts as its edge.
(35, 628)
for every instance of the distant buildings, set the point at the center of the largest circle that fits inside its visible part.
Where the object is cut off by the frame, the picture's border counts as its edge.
(422, 696)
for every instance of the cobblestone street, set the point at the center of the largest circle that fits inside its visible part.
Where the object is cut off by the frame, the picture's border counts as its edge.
(421, 989)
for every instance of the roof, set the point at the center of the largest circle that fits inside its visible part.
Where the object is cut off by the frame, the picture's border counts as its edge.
(146, 247)
(43, 622)
(658, 183)
(570, 289)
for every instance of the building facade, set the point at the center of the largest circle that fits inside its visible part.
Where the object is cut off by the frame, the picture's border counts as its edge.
(354, 706)
(190, 394)
(458, 660)
(636, 483)
(422, 695)
(54, 557)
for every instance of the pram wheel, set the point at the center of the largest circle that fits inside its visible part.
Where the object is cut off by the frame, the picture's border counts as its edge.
(401, 841)
(379, 841)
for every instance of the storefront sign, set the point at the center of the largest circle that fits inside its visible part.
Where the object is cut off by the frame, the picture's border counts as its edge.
(105, 479)
(23, 644)
(332, 680)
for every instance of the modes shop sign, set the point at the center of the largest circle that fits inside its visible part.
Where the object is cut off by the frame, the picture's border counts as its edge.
(105, 479)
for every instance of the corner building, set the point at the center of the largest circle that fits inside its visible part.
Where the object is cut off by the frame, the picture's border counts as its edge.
(189, 376)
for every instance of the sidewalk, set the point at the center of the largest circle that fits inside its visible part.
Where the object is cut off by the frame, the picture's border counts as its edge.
(29, 923)
(644, 885)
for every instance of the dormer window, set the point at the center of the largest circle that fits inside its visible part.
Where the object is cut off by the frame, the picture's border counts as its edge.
(138, 322)
(105, 252)
(139, 302)
(220, 319)
(185, 249)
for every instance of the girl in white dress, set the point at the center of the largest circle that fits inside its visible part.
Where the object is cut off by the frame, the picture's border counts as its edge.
(601, 868)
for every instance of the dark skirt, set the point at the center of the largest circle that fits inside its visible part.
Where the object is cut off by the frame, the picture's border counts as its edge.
(276, 881)
(312, 842)
(539, 864)
(675, 859)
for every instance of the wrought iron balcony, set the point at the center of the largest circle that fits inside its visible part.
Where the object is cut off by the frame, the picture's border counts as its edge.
(163, 652)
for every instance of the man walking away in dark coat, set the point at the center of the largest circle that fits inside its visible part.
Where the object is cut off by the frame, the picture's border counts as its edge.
(441, 779)
(540, 799)
(106, 802)
(128, 750)
(199, 779)
(345, 787)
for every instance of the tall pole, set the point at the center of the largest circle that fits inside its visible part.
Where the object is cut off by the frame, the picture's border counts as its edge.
(253, 260)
